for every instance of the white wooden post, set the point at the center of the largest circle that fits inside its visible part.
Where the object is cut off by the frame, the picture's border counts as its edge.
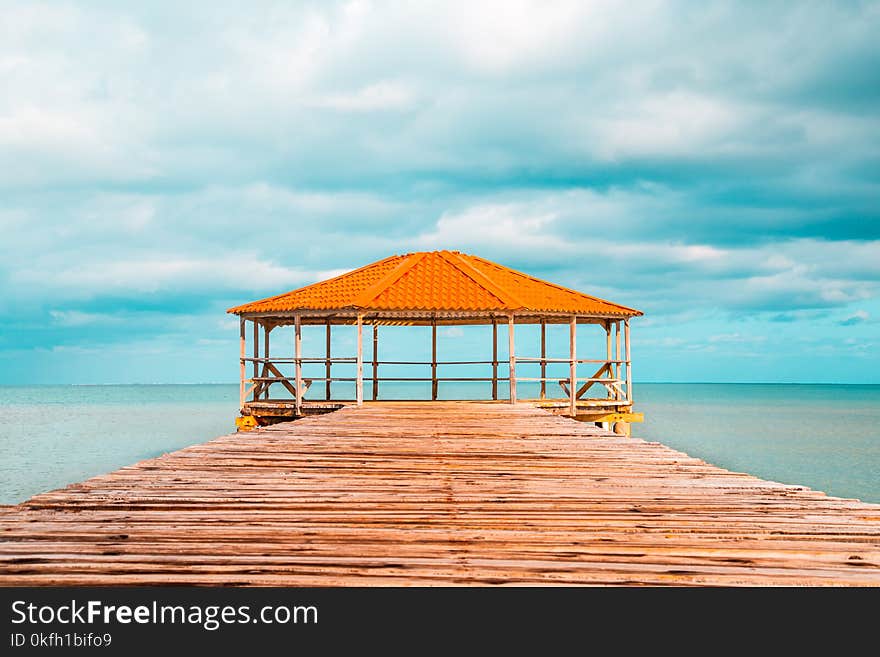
(375, 361)
(617, 357)
(543, 356)
(510, 346)
(629, 394)
(266, 373)
(360, 361)
(327, 364)
(297, 346)
(433, 359)
(494, 359)
(256, 357)
(609, 374)
(572, 366)
(241, 370)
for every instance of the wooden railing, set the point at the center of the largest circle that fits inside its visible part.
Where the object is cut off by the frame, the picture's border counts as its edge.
(270, 374)
(614, 372)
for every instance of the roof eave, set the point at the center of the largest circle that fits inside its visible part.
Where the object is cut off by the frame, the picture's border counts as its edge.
(244, 310)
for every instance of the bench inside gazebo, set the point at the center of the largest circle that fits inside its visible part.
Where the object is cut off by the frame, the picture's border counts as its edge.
(435, 289)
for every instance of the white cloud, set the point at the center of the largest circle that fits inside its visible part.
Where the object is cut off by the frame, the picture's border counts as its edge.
(496, 225)
(672, 124)
(491, 86)
(79, 318)
(737, 338)
(388, 95)
(858, 317)
(170, 274)
(496, 36)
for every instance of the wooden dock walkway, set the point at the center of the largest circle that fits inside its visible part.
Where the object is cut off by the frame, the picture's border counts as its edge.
(441, 493)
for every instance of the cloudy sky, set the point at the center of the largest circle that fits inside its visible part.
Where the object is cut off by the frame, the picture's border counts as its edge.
(715, 165)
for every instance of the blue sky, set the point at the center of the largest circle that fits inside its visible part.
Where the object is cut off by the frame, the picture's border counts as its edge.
(714, 164)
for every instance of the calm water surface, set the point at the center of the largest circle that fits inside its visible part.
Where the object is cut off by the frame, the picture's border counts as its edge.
(824, 436)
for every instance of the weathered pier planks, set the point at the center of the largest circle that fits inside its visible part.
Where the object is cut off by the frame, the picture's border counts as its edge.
(439, 493)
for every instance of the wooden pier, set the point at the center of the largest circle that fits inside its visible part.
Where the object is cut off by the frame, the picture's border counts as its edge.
(436, 493)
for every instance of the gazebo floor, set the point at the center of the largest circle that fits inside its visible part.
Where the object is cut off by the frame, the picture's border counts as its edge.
(268, 411)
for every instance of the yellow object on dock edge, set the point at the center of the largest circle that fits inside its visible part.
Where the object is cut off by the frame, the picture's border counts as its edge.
(246, 423)
(613, 417)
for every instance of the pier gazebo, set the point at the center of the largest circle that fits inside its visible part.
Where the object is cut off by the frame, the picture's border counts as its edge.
(437, 288)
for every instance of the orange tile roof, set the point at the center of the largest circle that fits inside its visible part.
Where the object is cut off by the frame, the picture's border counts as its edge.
(436, 281)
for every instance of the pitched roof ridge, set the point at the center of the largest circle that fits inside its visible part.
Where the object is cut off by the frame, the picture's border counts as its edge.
(315, 284)
(458, 261)
(493, 280)
(556, 285)
(410, 260)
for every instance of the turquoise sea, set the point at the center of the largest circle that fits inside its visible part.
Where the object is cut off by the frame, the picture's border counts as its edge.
(824, 436)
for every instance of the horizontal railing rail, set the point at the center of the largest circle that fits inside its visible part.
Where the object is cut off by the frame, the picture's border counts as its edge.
(293, 361)
(439, 362)
(292, 379)
(615, 385)
(506, 361)
(577, 379)
(532, 359)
